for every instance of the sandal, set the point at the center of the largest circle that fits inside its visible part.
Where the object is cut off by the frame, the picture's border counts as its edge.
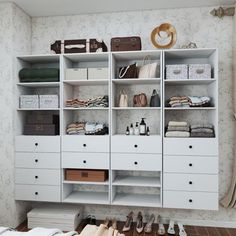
(161, 229)
(128, 222)
(90, 220)
(114, 223)
(148, 227)
(171, 229)
(181, 230)
(139, 224)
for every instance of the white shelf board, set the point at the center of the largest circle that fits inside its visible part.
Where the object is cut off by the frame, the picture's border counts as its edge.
(189, 81)
(87, 82)
(87, 197)
(137, 108)
(137, 181)
(141, 136)
(86, 108)
(85, 182)
(128, 199)
(189, 108)
(87, 57)
(48, 58)
(137, 81)
(38, 109)
(40, 84)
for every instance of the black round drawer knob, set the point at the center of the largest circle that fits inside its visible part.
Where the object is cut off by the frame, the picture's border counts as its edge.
(36, 144)
(135, 145)
(84, 145)
(190, 200)
(84, 161)
(190, 182)
(36, 160)
(190, 146)
(136, 163)
(36, 193)
(36, 177)
(190, 164)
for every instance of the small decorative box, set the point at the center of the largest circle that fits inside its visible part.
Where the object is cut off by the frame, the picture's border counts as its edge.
(48, 101)
(29, 101)
(76, 74)
(200, 71)
(177, 72)
(98, 73)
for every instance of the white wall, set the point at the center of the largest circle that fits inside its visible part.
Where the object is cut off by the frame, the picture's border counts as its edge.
(15, 38)
(194, 24)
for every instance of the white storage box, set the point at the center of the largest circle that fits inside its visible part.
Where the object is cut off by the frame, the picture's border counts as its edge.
(29, 101)
(200, 71)
(66, 218)
(177, 72)
(48, 101)
(98, 73)
(76, 74)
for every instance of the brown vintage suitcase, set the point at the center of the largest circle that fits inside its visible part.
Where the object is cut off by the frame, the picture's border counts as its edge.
(126, 44)
(86, 175)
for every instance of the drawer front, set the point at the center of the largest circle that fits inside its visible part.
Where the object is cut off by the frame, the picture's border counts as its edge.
(37, 144)
(190, 146)
(190, 200)
(136, 144)
(37, 160)
(191, 164)
(85, 143)
(145, 162)
(85, 160)
(191, 182)
(37, 176)
(38, 193)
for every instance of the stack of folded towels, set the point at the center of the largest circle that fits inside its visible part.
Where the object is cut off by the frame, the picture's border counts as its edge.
(191, 101)
(177, 101)
(202, 130)
(87, 128)
(178, 129)
(195, 101)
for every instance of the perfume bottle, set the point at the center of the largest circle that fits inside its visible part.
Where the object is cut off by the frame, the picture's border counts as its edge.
(131, 130)
(148, 131)
(142, 127)
(136, 129)
(127, 130)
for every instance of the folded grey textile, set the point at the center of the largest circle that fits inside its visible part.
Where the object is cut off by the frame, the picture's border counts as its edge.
(178, 128)
(203, 135)
(196, 126)
(178, 123)
(202, 130)
(177, 134)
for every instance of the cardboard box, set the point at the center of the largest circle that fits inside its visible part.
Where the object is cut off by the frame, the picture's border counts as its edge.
(76, 74)
(29, 101)
(98, 73)
(86, 175)
(48, 101)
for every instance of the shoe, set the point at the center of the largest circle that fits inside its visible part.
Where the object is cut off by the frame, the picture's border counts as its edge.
(106, 222)
(181, 230)
(128, 222)
(90, 220)
(114, 223)
(148, 227)
(171, 229)
(139, 223)
(161, 229)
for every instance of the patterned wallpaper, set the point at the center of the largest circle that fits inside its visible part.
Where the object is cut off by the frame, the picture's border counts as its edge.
(193, 24)
(15, 31)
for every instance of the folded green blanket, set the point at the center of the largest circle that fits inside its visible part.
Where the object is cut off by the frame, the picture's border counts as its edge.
(39, 75)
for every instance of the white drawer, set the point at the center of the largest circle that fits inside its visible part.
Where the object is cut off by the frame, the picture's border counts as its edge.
(190, 200)
(191, 164)
(38, 193)
(191, 182)
(37, 143)
(37, 160)
(190, 146)
(37, 176)
(85, 143)
(136, 144)
(85, 160)
(145, 162)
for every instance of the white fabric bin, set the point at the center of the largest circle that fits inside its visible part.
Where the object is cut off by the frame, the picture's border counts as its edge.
(200, 71)
(177, 72)
(29, 101)
(76, 74)
(48, 101)
(98, 73)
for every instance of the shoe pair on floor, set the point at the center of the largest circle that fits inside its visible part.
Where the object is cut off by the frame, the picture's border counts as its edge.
(171, 229)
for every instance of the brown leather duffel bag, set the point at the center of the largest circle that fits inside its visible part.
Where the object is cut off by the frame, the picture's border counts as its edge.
(126, 44)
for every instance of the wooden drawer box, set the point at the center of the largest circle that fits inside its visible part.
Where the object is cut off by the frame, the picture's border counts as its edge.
(86, 175)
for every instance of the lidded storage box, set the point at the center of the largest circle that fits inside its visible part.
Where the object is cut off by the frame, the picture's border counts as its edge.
(177, 72)
(200, 71)
(48, 101)
(76, 74)
(98, 73)
(29, 101)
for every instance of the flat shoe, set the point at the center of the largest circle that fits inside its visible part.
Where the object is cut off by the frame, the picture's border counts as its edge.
(171, 229)
(161, 228)
(181, 230)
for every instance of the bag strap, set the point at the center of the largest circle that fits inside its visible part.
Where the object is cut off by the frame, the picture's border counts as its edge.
(121, 75)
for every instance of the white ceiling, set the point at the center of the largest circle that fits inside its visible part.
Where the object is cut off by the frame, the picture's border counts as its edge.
(36, 8)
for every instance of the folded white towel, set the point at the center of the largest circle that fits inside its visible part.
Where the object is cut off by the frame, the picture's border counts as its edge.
(177, 123)
(177, 134)
(3, 229)
(13, 233)
(43, 232)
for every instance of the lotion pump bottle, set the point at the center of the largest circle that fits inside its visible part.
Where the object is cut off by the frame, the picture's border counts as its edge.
(131, 130)
(142, 127)
(136, 129)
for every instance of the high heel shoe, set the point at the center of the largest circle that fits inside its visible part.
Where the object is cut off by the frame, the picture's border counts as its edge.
(171, 229)
(161, 229)
(114, 223)
(128, 222)
(148, 227)
(139, 225)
